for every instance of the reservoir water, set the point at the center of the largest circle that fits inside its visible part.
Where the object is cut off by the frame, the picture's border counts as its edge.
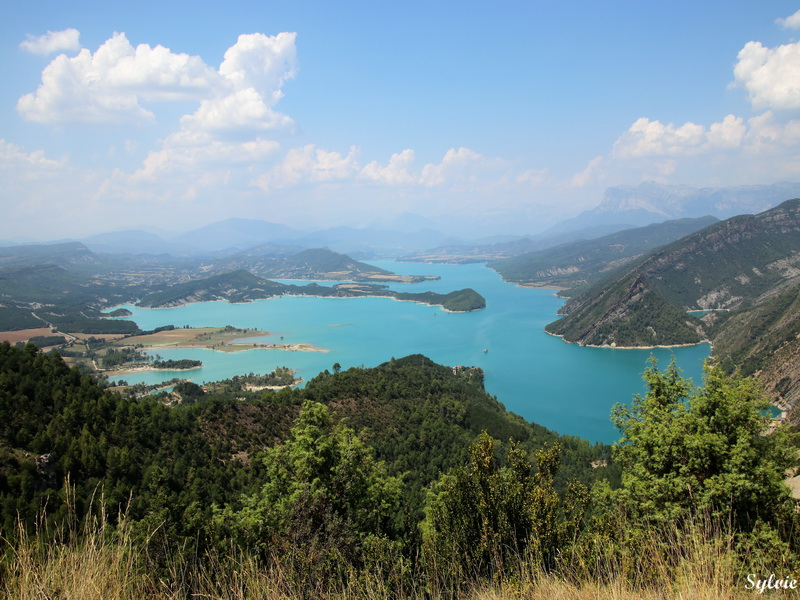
(567, 388)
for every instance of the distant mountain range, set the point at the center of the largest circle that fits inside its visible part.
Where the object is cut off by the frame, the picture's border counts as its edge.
(633, 206)
(414, 237)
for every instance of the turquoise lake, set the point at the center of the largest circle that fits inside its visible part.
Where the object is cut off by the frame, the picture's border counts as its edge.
(564, 387)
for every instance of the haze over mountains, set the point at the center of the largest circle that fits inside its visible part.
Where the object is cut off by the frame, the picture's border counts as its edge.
(651, 202)
(411, 235)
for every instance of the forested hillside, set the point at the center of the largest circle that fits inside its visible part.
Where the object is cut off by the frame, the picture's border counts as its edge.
(376, 482)
(747, 264)
(584, 261)
(242, 286)
(179, 461)
(734, 264)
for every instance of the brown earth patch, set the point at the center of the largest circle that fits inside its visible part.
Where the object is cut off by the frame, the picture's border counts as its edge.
(23, 335)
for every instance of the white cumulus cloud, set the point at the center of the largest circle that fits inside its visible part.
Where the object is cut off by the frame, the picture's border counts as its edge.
(790, 22)
(456, 164)
(107, 86)
(261, 62)
(52, 41)
(653, 138)
(396, 172)
(310, 164)
(771, 76)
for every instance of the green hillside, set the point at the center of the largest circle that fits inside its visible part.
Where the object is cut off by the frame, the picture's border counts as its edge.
(627, 313)
(238, 286)
(736, 263)
(176, 462)
(406, 480)
(37, 295)
(747, 264)
(585, 260)
(241, 286)
(765, 340)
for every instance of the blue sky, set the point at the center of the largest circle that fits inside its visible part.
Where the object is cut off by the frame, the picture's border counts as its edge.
(487, 117)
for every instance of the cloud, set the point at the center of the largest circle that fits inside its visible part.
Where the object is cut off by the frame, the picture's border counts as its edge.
(310, 164)
(242, 111)
(770, 76)
(533, 177)
(261, 62)
(14, 158)
(396, 172)
(790, 22)
(255, 69)
(456, 164)
(653, 138)
(40, 189)
(768, 133)
(192, 158)
(52, 41)
(109, 85)
(585, 176)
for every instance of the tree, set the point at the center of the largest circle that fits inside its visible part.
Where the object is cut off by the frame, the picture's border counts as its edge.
(686, 451)
(481, 517)
(326, 500)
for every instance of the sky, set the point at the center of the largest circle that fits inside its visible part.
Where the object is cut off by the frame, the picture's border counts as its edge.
(480, 117)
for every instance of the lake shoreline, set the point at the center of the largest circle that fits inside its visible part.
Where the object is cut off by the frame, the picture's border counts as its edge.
(615, 347)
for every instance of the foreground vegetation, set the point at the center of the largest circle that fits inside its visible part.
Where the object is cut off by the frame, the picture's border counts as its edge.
(406, 480)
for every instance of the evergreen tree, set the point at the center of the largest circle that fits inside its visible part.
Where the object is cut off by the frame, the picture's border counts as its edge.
(687, 451)
(326, 500)
(481, 518)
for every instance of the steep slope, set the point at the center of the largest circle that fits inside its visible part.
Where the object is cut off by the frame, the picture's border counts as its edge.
(734, 264)
(627, 313)
(585, 260)
(765, 340)
(748, 264)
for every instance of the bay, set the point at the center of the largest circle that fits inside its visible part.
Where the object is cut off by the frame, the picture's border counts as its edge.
(567, 388)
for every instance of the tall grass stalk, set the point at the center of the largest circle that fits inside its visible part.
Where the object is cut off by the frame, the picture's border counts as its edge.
(96, 562)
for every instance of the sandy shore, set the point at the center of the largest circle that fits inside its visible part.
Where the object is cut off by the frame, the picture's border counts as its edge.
(614, 347)
(539, 286)
(143, 369)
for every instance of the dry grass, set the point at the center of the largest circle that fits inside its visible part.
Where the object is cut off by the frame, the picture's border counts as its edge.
(23, 335)
(101, 564)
